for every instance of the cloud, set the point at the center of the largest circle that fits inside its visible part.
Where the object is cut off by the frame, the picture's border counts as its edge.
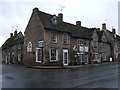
(91, 13)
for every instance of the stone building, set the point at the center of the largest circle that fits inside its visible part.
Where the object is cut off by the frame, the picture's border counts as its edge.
(12, 49)
(54, 40)
(51, 41)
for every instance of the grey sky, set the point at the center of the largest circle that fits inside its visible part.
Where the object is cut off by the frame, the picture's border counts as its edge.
(92, 13)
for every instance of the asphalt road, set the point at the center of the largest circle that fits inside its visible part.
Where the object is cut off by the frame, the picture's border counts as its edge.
(97, 76)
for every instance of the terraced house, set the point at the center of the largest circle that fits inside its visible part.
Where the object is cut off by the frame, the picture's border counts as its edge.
(51, 41)
(12, 49)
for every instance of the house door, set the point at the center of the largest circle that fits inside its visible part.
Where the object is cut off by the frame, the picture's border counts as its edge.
(65, 57)
(39, 55)
(86, 58)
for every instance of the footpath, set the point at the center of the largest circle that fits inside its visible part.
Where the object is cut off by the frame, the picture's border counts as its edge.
(68, 67)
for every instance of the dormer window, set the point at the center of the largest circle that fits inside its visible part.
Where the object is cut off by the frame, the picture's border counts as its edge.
(54, 20)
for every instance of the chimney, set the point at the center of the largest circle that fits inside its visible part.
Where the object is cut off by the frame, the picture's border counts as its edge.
(35, 9)
(11, 35)
(103, 26)
(15, 32)
(114, 31)
(60, 17)
(78, 23)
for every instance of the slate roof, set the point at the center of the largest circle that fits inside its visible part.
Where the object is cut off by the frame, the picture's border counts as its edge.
(13, 41)
(118, 38)
(75, 31)
(99, 33)
(110, 36)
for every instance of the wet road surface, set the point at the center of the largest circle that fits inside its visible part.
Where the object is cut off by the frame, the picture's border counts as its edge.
(97, 76)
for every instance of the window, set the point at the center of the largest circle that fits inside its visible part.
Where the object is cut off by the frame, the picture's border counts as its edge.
(104, 56)
(19, 46)
(53, 37)
(19, 57)
(53, 54)
(81, 42)
(65, 38)
(54, 20)
(95, 56)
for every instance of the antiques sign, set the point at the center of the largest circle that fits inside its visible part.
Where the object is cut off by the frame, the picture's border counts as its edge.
(41, 44)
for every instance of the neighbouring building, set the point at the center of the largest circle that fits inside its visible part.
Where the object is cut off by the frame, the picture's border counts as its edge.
(12, 49)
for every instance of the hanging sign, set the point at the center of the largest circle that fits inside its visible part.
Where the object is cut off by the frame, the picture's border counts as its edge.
(41, 44)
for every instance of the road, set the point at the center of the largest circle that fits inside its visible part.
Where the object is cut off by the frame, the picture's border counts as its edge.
(96, 76)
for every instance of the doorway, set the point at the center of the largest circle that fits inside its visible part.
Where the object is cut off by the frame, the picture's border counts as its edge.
(65, 57)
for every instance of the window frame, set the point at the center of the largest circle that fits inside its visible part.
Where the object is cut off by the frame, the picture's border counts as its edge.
(19, 57)
(95, 56)
(65, 38)
(19, 46)
(80, 42)
(55, 37)
(56, 54)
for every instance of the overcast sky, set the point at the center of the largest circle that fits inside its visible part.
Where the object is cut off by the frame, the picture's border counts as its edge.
(91, 13)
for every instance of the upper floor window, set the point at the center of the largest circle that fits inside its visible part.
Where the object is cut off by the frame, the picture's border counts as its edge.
(53, 37)
(81, 42)
(19, 46)
(65, 38)
(95, 43)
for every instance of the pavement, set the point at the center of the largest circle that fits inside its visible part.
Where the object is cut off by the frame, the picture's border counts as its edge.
(67, 67)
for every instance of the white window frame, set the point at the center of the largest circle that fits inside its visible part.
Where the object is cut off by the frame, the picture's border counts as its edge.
(94, 55)
(37, 55)
(65, 39)
(56, 54)
(80, 42)
(54, 37)
(104, 56)
(19, 57)
(65, 51)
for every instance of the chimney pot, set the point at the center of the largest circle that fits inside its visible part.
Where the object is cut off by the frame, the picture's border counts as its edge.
(11, 35)
(103, 26)
(78, 23)
(35, 9)
(60, 16)
(114, 31)
(15, 32)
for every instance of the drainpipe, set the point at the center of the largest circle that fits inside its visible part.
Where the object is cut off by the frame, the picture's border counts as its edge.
(89, 52)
